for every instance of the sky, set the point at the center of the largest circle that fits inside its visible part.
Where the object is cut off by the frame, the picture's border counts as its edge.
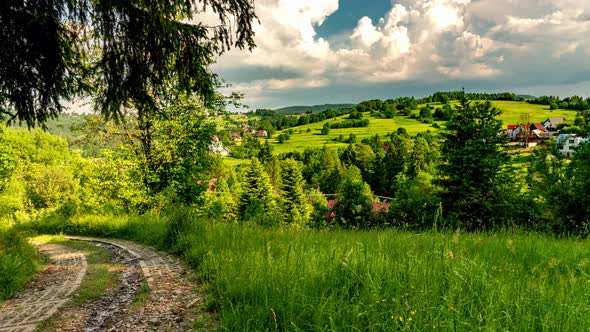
(313, 52)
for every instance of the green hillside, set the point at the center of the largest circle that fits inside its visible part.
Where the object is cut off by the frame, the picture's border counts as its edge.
(537, 113)
(311, 109)
(314, 138)
(299, 141)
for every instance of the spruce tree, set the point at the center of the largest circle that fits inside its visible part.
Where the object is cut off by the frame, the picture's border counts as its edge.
(257, 191)
(473, 161)
(295, 206)
(120, 53)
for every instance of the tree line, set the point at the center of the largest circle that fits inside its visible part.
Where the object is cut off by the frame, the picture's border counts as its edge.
(461, 178)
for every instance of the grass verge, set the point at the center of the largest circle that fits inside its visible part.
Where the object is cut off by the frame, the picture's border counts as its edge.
(18, 262)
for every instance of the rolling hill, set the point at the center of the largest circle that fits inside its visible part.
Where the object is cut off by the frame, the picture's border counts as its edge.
(311, 109)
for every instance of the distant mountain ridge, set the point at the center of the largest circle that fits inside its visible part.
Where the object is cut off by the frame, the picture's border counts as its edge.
(527, 97)
(312, 109)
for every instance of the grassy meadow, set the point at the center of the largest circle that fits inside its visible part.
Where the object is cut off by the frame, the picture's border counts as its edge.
(278, 279)
(299, 141)
(537, 113)
(513, 111)
(314, 138)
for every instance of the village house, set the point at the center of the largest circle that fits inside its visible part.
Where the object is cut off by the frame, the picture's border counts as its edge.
(217, 147)
(513, 131)
(376, 207)
(236, 137)
(551, 124)
(528, 136)
(260, 133)
(568, 143)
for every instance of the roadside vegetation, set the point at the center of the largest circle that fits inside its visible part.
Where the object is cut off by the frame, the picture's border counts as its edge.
(397, 214)
(18, 262)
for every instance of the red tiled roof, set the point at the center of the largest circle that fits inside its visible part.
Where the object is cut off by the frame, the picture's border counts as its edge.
(331, 204)
(512, 126)
(380, 207)
(537, 126)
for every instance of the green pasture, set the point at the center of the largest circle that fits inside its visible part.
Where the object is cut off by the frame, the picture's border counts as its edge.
(513, 112)
(300, 141)
(537, 113)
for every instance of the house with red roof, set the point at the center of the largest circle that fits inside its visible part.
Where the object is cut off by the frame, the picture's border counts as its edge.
(236, 137)
(376, 207)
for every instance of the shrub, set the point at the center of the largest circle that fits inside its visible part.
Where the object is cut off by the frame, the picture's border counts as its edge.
(18, 262)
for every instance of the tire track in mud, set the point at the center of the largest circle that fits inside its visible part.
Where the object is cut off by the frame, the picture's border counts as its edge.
(173, 302)
(173, 305)
(54, 287)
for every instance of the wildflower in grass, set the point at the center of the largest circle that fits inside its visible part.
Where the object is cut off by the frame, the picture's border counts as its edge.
(401, 319)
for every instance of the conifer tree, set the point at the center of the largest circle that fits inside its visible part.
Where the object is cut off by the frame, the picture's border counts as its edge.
(473, 161)
(118, 52)
(257, 191)
(295, 207)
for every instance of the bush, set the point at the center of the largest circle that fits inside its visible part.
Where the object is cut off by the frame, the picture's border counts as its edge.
(18, 262)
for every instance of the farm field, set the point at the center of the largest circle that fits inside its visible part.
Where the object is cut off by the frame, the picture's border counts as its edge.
(300, 141)
(514, 109)
(538, 113)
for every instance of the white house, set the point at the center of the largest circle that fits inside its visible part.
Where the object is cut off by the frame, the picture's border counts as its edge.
(567, 144)
(217, 147)
(551, 124)
(260, 133)
(516, 131)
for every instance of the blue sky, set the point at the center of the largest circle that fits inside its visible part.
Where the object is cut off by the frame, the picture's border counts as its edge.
(348, 14)
(338, 51)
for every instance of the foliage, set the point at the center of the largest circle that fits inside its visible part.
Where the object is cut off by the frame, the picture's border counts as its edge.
(219, 204)
(257, 195)
(473, 160)
(18, 262)
(294, 202)
(353, 203)
(180, 158)
(128, 50)
(417, 205)
(7, 161)
(570, 197)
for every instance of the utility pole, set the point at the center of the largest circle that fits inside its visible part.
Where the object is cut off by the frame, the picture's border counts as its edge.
(525, 119)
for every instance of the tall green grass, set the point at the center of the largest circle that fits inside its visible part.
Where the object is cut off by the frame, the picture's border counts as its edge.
(292, 279)
(18, 262)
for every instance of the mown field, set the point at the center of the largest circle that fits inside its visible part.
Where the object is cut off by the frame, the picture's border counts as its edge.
(314, 138)
(278, 279)
(299, 141)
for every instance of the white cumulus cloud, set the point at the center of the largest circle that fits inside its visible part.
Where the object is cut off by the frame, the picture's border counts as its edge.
(418, 41)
